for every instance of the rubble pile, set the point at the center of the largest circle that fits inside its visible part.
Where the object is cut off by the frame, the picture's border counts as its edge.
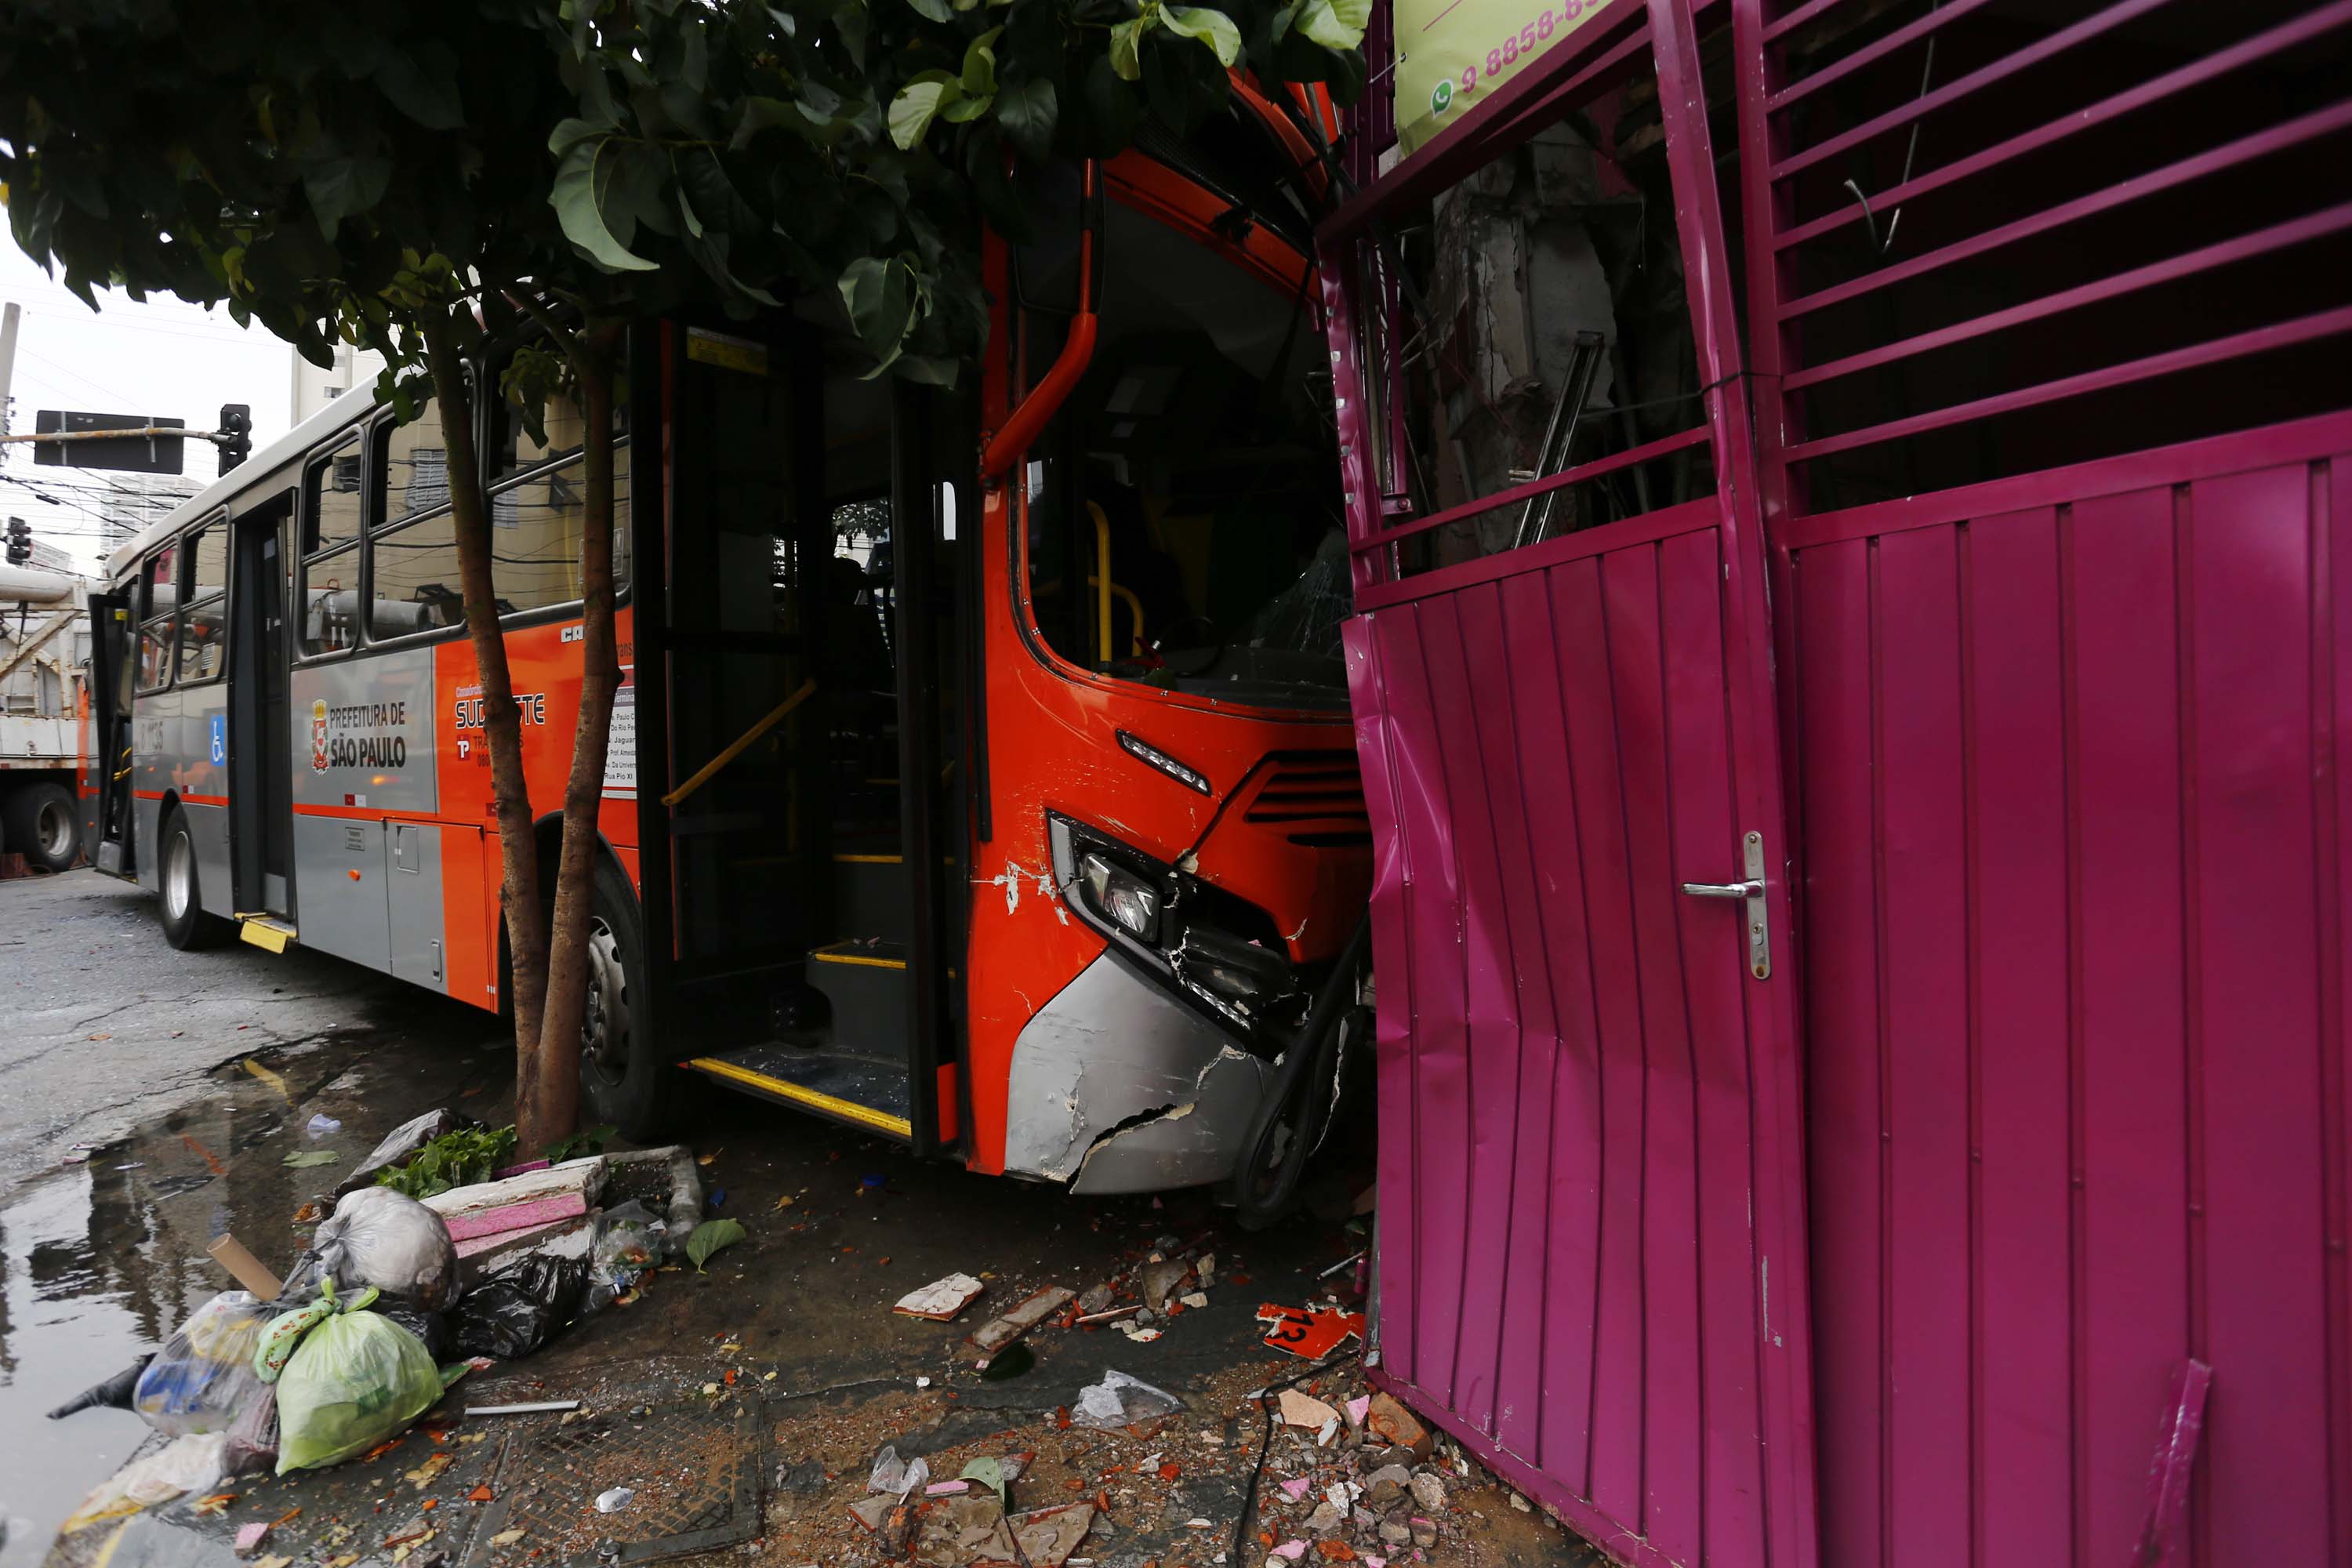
(1168, 1489)
(428, 1253)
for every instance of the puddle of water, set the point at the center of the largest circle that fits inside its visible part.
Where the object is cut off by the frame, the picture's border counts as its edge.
(73, 1309)
(99, 1262)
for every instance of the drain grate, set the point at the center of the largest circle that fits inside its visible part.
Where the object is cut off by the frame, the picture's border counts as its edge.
(695, 1472)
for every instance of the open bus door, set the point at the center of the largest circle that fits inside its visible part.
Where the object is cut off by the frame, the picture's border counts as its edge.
(106, 822)
(260, 748)
(794, 824)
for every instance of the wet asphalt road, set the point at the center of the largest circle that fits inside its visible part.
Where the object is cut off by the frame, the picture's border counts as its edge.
(106, 1024)
(114, 1040)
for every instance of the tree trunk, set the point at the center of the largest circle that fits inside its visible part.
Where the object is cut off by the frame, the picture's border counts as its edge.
(502, 724)
(555, 1106)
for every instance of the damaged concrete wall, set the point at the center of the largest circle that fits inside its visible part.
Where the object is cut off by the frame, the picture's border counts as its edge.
(1517, 277)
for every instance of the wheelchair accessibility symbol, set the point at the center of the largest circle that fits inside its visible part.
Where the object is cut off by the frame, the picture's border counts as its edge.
(220, 740)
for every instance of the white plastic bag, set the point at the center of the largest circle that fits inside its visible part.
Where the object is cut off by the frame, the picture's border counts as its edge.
(1120, 1400)
(204, 1374)
(628, 1242)
(186, 1463)
(380, 1237)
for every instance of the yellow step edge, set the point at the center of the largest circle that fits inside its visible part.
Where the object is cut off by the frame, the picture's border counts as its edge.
(849, 1110)
(831, 955)
(265, 934)
(869, 859)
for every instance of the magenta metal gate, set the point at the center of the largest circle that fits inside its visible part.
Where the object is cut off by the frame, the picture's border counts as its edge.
(1592, 1260)
(2049, 307)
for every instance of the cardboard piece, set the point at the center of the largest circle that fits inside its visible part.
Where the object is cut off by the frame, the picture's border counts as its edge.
(245, 1267)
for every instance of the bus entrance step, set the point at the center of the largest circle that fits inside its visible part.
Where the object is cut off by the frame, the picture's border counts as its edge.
(869, 895)
(865, 983)
(265, 932)
(861, 1090)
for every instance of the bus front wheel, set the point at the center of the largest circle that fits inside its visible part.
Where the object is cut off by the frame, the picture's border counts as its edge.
(624, 1076)
(185, 925)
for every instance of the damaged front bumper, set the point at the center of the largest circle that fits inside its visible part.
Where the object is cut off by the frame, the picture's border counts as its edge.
(1118, 1086)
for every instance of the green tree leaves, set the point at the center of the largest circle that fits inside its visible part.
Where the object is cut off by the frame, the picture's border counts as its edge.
(883, 296)
(1213, 28)
(1028, 113)
(711, 1237)
(632, 158)
(585, 181)
(918, 103)
(340, 186)
(935, 94)
(1334, 23)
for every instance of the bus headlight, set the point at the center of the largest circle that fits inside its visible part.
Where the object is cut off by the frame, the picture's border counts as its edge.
(1121, 896)
(1231, 969)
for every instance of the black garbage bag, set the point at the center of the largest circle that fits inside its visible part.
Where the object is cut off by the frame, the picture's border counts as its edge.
(114, 1394)
(431, 1328)
(519, 1308)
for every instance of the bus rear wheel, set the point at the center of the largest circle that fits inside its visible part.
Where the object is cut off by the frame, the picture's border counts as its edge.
(624, 1079)
(43, 825)
(185, 925)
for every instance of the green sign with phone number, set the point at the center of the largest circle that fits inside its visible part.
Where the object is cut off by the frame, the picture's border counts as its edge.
(1455, 52)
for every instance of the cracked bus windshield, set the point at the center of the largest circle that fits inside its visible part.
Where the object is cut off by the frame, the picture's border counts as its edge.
(1196, 458)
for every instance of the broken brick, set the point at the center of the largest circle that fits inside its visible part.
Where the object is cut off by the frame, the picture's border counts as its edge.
(1394, 1424)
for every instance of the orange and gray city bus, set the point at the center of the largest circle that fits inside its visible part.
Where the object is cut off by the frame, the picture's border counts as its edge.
(1047, 871)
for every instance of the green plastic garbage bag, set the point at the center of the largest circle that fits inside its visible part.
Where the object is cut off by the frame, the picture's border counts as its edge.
(356, 1379)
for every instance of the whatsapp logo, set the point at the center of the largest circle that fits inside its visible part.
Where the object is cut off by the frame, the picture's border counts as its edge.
(1441, 98)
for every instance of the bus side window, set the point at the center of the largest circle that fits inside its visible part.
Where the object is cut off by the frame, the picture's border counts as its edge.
(413, 461)
(159, 594)
(413, 578)
(535, 528)
(202, 624)
(330, 557)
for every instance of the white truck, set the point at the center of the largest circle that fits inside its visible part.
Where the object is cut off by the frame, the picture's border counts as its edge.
(44, 671)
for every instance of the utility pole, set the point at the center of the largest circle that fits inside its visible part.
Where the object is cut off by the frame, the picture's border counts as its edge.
(8, 359)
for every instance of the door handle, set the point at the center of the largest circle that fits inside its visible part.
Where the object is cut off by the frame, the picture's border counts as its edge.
(1751, 893)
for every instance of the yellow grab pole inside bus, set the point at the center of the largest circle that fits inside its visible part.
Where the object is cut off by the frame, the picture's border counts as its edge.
(775, 716)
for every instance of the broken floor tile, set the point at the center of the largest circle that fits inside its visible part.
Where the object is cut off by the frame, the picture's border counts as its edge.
(1305, 1410)
(940, 1300)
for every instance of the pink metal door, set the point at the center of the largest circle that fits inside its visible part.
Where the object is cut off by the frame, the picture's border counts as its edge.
(2055, 468)
(1592, 1266)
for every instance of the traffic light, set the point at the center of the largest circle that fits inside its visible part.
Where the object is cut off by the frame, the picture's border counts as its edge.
(20, 541)
(235, 429)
